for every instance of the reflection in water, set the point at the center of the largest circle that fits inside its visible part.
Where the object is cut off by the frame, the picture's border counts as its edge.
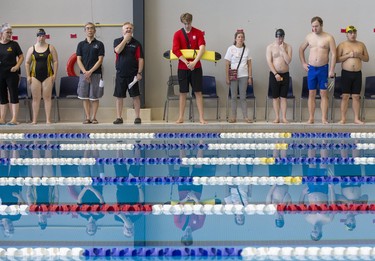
(350, 192)
(129, 194)
(191, 194)
(279, 194)
(90, 194)
(318, 194)
(195, 230)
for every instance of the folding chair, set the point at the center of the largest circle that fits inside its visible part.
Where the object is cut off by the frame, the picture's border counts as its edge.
(174, 95)
(337, 95)
(209, 92)
(369, 93)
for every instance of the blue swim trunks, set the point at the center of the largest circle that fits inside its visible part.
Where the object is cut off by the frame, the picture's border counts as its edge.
(317, 76)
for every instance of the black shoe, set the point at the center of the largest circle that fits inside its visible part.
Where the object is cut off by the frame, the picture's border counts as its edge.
(118, 121)
(137, 121)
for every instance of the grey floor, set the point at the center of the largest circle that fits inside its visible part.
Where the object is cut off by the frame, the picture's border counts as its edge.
(212, 126)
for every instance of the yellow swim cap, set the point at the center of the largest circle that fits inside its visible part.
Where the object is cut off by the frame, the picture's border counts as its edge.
(350, 28)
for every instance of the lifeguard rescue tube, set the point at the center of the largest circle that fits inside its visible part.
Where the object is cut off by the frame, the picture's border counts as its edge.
(70, 65)
(210, 56)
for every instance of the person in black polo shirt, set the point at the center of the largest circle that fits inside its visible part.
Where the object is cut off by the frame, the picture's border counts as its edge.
(129, 67)
(11, 58)
(90, 54)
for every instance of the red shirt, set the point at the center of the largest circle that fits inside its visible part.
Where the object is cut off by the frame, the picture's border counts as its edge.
(196, 39)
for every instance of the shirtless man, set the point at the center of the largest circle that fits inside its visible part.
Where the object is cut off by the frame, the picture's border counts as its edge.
(351, 53)
(321, 45)
(279, 56)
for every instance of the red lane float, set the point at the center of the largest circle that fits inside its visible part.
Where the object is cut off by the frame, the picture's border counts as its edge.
(314, 208)
(107, 208)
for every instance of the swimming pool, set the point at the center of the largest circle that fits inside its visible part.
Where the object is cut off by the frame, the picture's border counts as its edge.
(262, 195)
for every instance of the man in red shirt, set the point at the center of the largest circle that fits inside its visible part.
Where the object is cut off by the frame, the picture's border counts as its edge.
(189, 70)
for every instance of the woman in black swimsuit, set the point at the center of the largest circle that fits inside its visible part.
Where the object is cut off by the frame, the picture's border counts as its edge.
(41, 68)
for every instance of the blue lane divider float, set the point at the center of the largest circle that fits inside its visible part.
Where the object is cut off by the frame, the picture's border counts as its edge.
(37, 136)
(141, 180)
(328, 135)
(163, 252)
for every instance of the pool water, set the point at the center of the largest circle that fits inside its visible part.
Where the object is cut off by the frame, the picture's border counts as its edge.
(170, 172)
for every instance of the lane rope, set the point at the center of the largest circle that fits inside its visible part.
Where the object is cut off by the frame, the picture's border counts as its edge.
(205, 181)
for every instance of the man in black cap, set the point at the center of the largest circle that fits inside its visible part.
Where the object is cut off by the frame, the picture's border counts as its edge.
(279, 56)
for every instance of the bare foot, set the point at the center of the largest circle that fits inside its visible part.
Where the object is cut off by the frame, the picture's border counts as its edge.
(324, 122)
(202, 121)
(310, 121)
(33, 123)
(342, 122)
(276, 121)
(285, 121)
(13, 123)
(179, 121)
(358, 122)
(48, 122)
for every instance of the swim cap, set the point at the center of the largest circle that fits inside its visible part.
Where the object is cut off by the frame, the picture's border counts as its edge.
(279, 32)
(350, 28)
(41, 32)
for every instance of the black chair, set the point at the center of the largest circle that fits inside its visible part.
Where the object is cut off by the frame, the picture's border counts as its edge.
(209, 92)
(249, 96)
(68, 90)
(369, 93)
(173, 94)
(23, 95)
(305, 95)
(289, 97)
(337, 95)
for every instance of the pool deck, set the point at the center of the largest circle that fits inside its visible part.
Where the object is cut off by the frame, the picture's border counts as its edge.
(161, 126)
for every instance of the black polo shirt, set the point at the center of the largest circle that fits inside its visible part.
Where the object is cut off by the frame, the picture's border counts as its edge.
(90, 53)
(127, 60)
(8, 55)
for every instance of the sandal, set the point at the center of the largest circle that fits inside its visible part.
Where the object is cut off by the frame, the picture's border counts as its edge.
(137, 121)
(118, 121)
(232, 120)
(94, 121)
(87, 121)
